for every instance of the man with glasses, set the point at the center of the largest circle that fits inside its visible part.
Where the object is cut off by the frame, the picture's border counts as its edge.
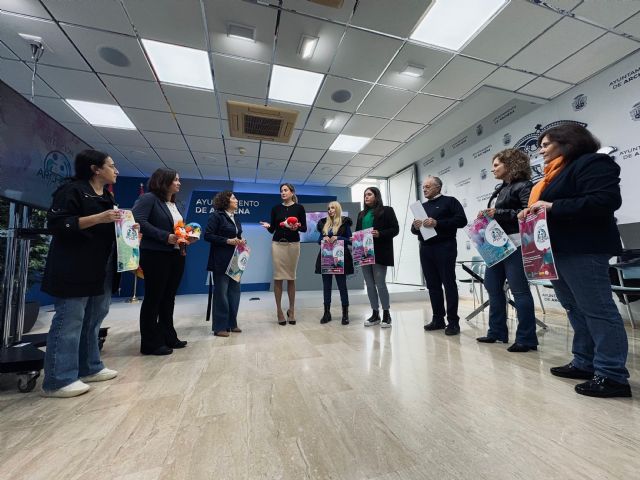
(438, 254)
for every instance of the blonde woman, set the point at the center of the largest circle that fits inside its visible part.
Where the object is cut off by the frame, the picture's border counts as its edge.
(333, 228)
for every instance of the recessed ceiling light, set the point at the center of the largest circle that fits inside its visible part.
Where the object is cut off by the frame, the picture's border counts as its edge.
(307, 46)
(349, 143)
(102, 114)
(114, 56)
(179, 65)
(468, 16)
(293, 85)
(326, 123)
(242, 32)
(341, 96)
(413, 71)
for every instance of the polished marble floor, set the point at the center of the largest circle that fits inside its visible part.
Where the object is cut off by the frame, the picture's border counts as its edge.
(318, 401)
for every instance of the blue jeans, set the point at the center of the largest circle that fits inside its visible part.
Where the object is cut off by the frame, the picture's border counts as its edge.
(584, 290)
(72, 343)
(510, 269)
(341, 280)
(226, 301)
(375, 276)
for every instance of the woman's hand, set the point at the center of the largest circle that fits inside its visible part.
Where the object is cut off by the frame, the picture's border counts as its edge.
(293, 227)
(173, 239)
(326, 238)
(333, 239)
(416, 223)
(191, 240)
(489, 212)
(539, 205)
(235, 241)
(266, 225)
(136, 226)
(375, 234)
(108, 216)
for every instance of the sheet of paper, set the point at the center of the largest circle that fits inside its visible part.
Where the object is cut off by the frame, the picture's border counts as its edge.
(419, 214)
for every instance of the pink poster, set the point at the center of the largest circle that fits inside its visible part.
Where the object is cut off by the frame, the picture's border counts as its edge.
(332, 257)
(537, 256)
(363, 251)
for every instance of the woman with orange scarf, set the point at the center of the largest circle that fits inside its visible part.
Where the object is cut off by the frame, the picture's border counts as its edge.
(581, 192)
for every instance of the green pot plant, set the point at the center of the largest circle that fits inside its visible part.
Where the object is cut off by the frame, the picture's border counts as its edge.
(37, 260)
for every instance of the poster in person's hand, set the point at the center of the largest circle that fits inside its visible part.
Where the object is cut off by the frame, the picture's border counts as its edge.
(332, 257)
(238, 262)
(363, 251)
(492, 243)
(127, 242)
(537, 256)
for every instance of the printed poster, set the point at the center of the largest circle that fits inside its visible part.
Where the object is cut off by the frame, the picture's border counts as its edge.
(362, 248)
(537, 256)
(332, 257)
(127, 242)
(238, 262)
(489, 238)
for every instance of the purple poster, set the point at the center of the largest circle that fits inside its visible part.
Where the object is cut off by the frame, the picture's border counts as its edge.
(363, 251)
(332, 257)
(537, 257)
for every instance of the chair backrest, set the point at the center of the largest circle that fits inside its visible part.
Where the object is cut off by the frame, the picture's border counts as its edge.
(630, 235)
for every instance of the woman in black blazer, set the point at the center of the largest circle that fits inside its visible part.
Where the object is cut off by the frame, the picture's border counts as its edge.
(581, 192)
(161, 262)
(224, 232)
(385, 227)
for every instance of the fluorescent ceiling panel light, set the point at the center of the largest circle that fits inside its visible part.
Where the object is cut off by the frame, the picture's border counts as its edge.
(179, 65)
(413, 71)
(307, 46)
(451, 24)
(293, 85)
(349, 143)
(102, 114)
(242, 32)
(326, 123)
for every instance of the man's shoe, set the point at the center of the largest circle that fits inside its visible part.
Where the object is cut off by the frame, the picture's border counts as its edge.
(222, 333)
(178, 344)
(519, 347)
(571, 371)
(236, 330)
(374, 319)
(452, 330)
(603, 387)
(163, 350)
(101, 376)
(434, 326)
(386, 319)
(72, 390)
(489, 339)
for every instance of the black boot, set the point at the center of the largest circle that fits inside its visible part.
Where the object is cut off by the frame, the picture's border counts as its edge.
(326, 318)
(374, 319)
(345, 315)
(386, 319)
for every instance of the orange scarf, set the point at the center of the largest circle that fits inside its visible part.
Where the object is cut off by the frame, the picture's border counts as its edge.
(551, 171)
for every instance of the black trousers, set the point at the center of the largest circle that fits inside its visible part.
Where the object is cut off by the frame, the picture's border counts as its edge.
(439, 269)
(162, 274)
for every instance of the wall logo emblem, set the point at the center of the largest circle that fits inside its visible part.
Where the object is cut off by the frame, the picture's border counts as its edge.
(506, 139)
(479, 129)
(635, 112)
(442, 153)
(483, 173)
(579, 102)
(55, 167)
(461, 162)
(529, 143)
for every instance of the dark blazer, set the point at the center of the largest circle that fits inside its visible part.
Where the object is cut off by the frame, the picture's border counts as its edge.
(220, 228)
(77, 259)
(585, 194)
(511, 198)
(344, 233)
(156, 222)
(385, 221)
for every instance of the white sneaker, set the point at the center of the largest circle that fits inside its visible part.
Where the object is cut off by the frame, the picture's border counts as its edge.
(72, 390)
(101, 376)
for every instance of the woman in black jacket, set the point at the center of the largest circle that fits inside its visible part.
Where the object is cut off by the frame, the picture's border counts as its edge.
(332, 228)
(161, 261)
(80, 275)
(581, 191)
(385, 227)
(509, 198)
(224, 232)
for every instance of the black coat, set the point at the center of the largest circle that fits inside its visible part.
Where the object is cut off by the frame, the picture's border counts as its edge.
(585, 194)
(220, 228)
(511, 199)
(77, 259)
(344, 233)
(385, 221)
(156, 222)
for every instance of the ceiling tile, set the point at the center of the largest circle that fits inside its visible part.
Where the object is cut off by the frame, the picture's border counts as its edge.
(214, 173)
(58, 109)
(92, 13)
(544, 88)
(210, 159)
(32, 8)
(242, 174)
(593, 58)
(363, 55)
(234, 146)
(191, 101)
(152, 120)
(424, 108)
(179, 23)
(354, 171)
(269, 176)
(187, 170)
(292, 28)
(129, 138)
(508, 79)
(240, 77)
(75, 84)
(419, 55)
(311, 139)
(272, 164)
(237, 161)
(458, 77)
(337, 158)
(199, 126)
(294, 177)
(222, 12)
(380, 147)
(318, 179)
(319, 115)
(90, 42)
(607, 14)
(326, 169)
(337, 14)
(136, 93)
(169, 155)
(631, 26)
(385, 102)
(6, 53)
(300, 167)
(395, 18)
(140, 154)
(560, 41)
(363, 126)
(85, 132)
(18, 76)
(307, 154)
(357, 90)
(361, 160)
(342, 181)
(275, 151)
(399, 131)
(204, 144)
(519, 22)
(165, 140)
